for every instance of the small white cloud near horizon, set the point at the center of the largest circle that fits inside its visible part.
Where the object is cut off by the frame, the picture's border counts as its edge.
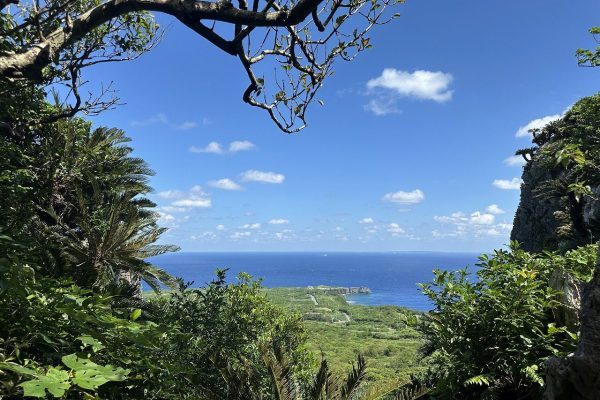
(494, 209)
(224, 184)
(395, 229)
(515, 161)
(240, 235)
(505, 184)
(279, 221)
(400, 197)
(212, 147)
(250, 226)
(537, 123)
(367, 220)
(425, 85)
(241, 145)
(220, 227)
(253, 175)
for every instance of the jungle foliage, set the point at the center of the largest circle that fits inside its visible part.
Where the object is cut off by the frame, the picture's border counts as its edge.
(490, 334)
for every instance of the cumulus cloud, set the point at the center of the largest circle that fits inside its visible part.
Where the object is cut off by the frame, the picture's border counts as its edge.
(170, 194)
(240, 235)
(218, 148)
(479, 218)
(260, 176)
(515, 161)
(279, 221)
(250, 226)
(538, 123)
(241, 145)
(426, 85)
(367, 220)
(194, 198)
(212, 147)
(224, 184)
(194, 203)
(476, 224)
(505, 184)
(220, 227)
(382, 106)
(400, 197)
(494, 209)
(395, 229)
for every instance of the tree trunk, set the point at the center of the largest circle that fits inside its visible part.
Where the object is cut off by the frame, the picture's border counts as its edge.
(577, 377)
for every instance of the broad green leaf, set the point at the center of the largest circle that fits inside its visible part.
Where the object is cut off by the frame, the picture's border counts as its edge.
(55, 381)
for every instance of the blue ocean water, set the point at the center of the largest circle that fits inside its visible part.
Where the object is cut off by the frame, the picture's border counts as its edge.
(392, 277)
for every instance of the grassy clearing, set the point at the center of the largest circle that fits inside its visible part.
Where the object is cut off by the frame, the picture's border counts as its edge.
(341, 331)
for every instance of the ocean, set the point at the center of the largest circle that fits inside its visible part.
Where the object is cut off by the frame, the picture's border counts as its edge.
(392, 277)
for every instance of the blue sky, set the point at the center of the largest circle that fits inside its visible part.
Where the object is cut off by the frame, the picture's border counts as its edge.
(409, 151)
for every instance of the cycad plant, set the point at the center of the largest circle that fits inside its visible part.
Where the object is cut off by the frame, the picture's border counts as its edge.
(92, 213)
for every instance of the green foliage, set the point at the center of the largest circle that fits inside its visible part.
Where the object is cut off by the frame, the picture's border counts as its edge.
(489, 337)
(569, 149)
(224, 325)
(76, 197)
(384, 335)
(590, 57)
(58, 337)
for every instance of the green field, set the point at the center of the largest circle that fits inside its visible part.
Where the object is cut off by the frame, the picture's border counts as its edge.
(341, 331)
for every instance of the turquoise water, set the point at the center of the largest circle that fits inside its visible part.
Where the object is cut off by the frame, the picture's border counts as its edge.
(392, 277)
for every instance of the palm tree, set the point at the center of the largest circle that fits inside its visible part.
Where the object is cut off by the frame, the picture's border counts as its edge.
(242, 383)
(93, 212)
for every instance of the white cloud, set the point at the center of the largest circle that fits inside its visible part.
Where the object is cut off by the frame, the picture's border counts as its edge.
(170, 209)
(395, 229)
(515, 161)
(279, 221)
(225, 184)
(366, 221)
(162, 119)
(212, 147)
(240, 235)
(240, 145)
(220, 227)
(196, 203)
(170, 194)
(425, 85)
(195, 198)
(155, 119)
(218, 148)
(475, 225)
(250, 226)
(264, 177)
(494, 209)
(164, 218)
(382, 106)
(400, 197)
(505, 184)
(538, 123)
(479, 218)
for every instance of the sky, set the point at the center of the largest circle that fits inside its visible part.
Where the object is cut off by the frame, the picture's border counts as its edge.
(411, 151)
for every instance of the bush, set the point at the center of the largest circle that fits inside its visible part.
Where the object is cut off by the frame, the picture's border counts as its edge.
(490, 338)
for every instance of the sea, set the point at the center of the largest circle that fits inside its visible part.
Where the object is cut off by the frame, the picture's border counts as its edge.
(393, 277)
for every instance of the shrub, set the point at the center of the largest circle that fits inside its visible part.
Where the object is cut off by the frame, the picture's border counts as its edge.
(489, 338)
